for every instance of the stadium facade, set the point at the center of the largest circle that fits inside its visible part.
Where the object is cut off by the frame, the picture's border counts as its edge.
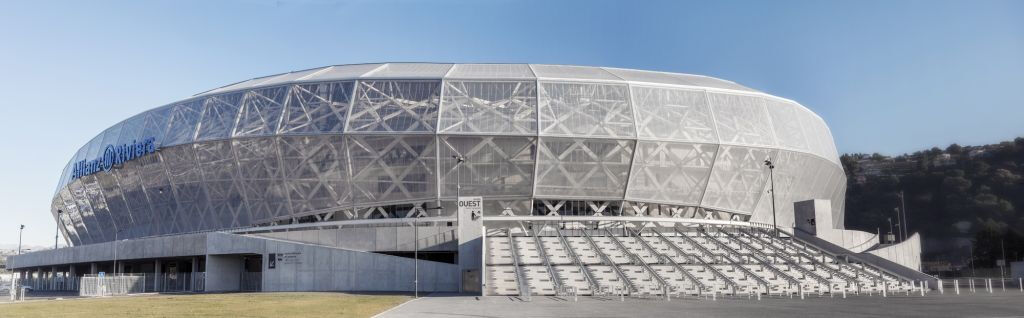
(369, 161)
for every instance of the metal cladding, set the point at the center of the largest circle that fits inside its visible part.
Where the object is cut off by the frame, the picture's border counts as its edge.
(379, 141)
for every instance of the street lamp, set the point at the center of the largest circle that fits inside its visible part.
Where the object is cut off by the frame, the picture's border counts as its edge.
(771, 177)
(57, 234)
(903, 210)
(459, 159)
(19, 237)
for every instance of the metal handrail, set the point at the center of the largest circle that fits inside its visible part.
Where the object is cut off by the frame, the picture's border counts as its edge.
(667, 259)
(594, 287)
(758, 254)
(520, 280)
(705, 251)
(555, 280)
(636, 258)
(789, 262)
(735, 263)
(606, 260)
(803, 245)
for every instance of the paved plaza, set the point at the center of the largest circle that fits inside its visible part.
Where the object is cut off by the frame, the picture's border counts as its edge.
(933, 305)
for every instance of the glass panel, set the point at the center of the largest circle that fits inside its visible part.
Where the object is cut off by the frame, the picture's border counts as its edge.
(737, 178)
(261, 111)
(315, 172)
(741, 120)
(85, 212)
(75, 216)
(393, 106)
(219, 116)
(182, 126)
(392, 168)
(493, 167)
(489, 107)
(582, 168)
(579, 109)
(572, 72)
(98, 201)
(411, 70)
(320, 107)
(675, 173)
(674, 114)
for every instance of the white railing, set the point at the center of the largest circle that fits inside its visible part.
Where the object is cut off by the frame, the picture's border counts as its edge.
(95, 286)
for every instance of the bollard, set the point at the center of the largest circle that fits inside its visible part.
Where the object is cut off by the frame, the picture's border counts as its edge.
(885, 290)
(1003, 282)
(956, 286)
(989, 285)
(758, 296)
(941, 288)
(922, 291)
(714, 296)
(1020, 283)
(844, 293)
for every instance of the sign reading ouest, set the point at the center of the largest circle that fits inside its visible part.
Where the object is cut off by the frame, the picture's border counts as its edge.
(114, 155)
(472, 206)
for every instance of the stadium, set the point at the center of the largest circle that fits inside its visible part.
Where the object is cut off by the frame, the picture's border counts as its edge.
(498, 179)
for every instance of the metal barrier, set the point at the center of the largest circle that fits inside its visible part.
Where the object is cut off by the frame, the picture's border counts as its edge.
(96, 286)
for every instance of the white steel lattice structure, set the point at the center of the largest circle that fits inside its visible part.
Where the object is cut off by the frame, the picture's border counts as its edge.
(378, 140)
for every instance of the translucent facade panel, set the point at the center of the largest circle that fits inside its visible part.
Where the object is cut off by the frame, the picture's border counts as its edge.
(86, 213)
(155, 125)
(180, 162)
(183, 119)
(110, 137)
(315, 170)
(673, 114)
(131, 129)
(319, 107)
(495, 166)
(489, 108)
(491, 71)
(342, 72)
(572, 72)
(261, 111)
(741, 120)
(75, 216)
(704, 81)
(818, 137)
(129, 177)
(104, 215)
(191, 205)
(392, 168)
(788, 127)
(395, 106)
(670, 172)
(737, 178)
(64, 220)
(95, 148)
(262, 177)
(410, 70)
(583, 168)
(221, 178)
(160, 193)
(219, 116)
(586, 110)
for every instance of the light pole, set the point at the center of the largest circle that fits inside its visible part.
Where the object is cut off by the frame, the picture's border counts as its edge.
(459, 159)
(903, 210)
(57, 234)
(899, 225)
(771, 178)
(116, 231)
(22, 228)
(889, 237)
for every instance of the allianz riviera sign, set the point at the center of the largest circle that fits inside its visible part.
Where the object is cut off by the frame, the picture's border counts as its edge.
(114, 155)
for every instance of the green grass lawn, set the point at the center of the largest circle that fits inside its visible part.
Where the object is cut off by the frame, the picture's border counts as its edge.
(211, 305)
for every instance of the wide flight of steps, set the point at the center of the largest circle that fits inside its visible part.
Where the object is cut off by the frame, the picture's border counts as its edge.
(679, 261)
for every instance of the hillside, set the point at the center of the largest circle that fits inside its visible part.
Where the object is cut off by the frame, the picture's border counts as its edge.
(955, 197)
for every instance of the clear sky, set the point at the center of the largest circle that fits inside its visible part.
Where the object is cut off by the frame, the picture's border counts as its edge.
(887, 76)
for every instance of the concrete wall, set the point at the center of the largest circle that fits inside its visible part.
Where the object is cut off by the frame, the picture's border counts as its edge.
(822, 226)
(308, 267)
(906, 253)
(156, 247)
(432, 238)
(223, 273)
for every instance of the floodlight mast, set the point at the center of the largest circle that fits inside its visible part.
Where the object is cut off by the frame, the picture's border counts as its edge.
(771, 178)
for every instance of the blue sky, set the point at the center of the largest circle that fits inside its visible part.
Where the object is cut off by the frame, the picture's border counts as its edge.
(887, 76)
